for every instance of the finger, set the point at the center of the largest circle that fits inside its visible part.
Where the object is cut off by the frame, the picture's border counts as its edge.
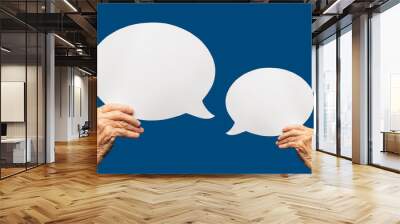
(289, 145)
(120, 116)
(111, 133)
(291, 133)
(303, 148)
(125, 133)
(106, 133)
(117, 107)
(127, 126)
(294, 126)
(289, 139)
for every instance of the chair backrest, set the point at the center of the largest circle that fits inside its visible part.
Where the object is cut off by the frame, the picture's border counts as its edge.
(86, 125)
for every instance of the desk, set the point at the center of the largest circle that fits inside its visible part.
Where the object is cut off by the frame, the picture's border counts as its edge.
(17, 150)
(391, 141)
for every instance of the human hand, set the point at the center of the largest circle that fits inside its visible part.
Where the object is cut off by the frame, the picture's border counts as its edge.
(300, 138)
(115, 120)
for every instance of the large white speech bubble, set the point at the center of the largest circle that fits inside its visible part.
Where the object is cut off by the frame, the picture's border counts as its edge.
(161, 70)
(264, 101)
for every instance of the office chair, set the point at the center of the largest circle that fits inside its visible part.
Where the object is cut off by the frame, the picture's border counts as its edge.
(84, 130)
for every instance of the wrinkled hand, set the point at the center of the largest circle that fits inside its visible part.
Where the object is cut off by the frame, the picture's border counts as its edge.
(300, 138)
(115, 120)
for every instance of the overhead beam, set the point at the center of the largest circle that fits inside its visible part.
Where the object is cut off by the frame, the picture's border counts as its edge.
(320, 22)
(331, 28)
(338, 6)
(78, 61)
(47, 22)
(83, 23)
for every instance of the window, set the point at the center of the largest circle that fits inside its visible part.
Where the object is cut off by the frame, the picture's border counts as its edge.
(334, 106)
(327, 95)
(346, 92)
(385, 89)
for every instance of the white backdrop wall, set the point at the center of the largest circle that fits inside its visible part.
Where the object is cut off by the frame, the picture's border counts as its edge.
(71, 102)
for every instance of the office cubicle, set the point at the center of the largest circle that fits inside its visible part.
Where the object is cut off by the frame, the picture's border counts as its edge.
(22, 95)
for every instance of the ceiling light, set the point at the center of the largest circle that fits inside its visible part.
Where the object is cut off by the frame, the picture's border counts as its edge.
(5, 50)
(337, 7)
(79, 51)
(70, 5)
(84, 71)
(333, 6)
(65, 41)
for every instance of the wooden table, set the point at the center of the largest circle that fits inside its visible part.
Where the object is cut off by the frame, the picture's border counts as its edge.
(391, 141)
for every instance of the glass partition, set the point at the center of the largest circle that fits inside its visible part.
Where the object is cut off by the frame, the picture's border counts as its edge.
(22, 101)
(13, 109)
(31, 99)
(41, 97)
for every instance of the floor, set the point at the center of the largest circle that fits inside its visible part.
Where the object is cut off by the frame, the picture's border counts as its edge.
(387, 159)
(70, 191)
(5, 172)
(10, 171)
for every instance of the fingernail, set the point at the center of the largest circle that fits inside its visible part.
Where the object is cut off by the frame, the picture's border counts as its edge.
(277, 142)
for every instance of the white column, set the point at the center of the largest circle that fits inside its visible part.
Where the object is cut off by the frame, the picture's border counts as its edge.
(50, 92)
(314, 88)
(360, 90)
(50, 100)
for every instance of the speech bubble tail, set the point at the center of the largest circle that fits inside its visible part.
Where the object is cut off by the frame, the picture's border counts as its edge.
(234, 130)
(201, 111)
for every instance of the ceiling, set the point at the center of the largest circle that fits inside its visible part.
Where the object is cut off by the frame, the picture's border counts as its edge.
(75, 21)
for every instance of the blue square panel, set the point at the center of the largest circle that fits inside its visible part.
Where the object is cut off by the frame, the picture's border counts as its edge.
(240, 38)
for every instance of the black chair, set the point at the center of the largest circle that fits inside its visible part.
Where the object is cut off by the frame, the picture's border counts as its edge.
(84, 130)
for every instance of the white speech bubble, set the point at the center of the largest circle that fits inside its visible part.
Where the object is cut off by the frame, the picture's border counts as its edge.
(265, 100)
(161, 70)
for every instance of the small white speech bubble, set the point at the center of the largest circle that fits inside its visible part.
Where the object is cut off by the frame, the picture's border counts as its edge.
(265, 100)
(161, 70)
